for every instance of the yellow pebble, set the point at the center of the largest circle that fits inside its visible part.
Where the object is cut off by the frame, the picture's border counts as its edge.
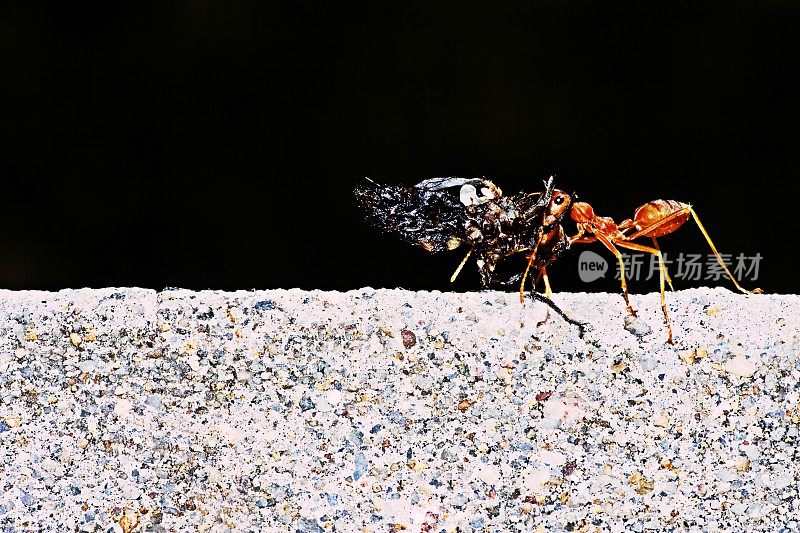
(75, 339)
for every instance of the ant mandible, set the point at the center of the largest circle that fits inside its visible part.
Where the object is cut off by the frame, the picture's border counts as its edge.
(653, 219)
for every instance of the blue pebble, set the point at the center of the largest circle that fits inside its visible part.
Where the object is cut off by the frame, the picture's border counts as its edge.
(476, 523)
(153, 401)
(306, 404)
(3, 427)
(74, 490)
(26, 499)
(333, 499)
(308, 525)
(264, 305)
(376, 428)
(361, 466)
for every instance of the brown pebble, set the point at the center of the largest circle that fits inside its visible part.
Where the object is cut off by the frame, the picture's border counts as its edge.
(409, 339)
(619, 366)
(542, 396)
(129, 521)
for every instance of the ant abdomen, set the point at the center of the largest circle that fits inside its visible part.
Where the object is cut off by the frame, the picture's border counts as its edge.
(651, 213)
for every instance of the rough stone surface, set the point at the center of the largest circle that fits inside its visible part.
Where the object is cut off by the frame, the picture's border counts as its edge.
(133, 410)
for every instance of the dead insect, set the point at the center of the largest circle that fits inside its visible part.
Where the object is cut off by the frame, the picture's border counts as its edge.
(653, 219)
(442, 214)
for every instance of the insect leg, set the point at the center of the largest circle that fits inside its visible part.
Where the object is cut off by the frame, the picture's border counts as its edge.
(608, 244)
(683, 212)
(577, 239)
(548, 292)
(552, 305)
(716, 254)
(513, 280)
(663, 270)
(531, 259)
(663, 265)
(486, 268)
(460, 266)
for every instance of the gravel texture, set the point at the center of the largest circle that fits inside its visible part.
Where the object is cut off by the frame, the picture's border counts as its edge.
(388, 410)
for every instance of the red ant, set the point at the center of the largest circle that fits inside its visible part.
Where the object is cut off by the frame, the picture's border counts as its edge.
(653, 219)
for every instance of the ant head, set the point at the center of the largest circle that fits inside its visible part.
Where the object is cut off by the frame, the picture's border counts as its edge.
(582, 212)
(560, 203)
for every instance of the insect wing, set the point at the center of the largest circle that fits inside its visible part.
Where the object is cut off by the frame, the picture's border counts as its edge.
(429, 215)
(438, 184)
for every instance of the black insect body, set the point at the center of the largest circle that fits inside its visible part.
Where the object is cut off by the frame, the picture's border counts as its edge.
(443, 214)
(446, 213)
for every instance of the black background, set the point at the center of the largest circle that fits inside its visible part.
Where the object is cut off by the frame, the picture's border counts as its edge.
(208, 145)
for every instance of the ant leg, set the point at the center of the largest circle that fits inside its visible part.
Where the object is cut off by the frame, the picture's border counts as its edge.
(683, 212)
(610, 245)
(716, 254)
(577, 239)
(548, 292)
(524, 277)
(662, 272)
(662, 265)
(531, 259)
(460, 266)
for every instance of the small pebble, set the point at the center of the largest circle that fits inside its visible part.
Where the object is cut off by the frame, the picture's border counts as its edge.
(741, 366)
(408, 337)
(131, 492)
(153, 401)
(661, 420)
(637, 326)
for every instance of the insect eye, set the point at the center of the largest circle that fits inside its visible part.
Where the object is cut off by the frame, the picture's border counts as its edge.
(559, 200)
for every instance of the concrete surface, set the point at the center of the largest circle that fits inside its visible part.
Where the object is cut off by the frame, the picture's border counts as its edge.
(131, 410)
